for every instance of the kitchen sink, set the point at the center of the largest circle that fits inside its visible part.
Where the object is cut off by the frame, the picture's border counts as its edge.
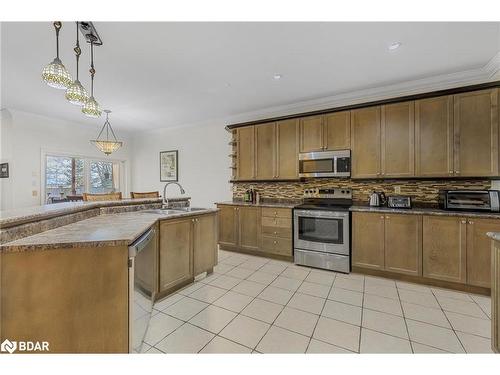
(161, 211)
(189, 209)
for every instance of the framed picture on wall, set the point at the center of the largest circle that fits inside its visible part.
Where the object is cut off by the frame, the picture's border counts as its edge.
(4, 170)
(169, 165)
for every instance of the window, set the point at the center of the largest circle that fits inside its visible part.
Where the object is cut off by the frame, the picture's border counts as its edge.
(67, 176)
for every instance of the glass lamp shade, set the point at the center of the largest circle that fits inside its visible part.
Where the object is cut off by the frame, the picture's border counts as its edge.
(76, 94)
(55, 75)
(107, 147)
(91, 108)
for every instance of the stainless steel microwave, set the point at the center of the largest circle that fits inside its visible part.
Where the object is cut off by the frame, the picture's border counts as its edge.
(325, 164)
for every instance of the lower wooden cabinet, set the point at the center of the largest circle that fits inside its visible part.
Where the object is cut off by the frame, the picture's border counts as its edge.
(495, 296)
(249, 228)
(479, 250)
(204, 243)
(228, 225)
(277, 231)
(387, 242)
(444, 248)
(176, 256)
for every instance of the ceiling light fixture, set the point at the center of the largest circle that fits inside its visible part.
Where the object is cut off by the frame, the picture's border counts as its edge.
(107, 145)
(76, 93)
(55, 74)
(277, 76)
(91, 107)
(394, 46)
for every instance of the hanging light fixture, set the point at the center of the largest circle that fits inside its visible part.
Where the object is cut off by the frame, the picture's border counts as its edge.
(55, 74)
(107, 145)
(91, 107)
(76, 93)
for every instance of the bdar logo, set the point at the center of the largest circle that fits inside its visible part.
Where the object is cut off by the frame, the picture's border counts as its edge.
(8, 346)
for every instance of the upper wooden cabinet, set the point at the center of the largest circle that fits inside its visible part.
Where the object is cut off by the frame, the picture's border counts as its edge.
(365, 143)
(246, 153)
(265, 156)
(325, 133)
(287, 159)
(311, 134)
(444, 248)
(476, 133)
(434, 137)
(397, 140)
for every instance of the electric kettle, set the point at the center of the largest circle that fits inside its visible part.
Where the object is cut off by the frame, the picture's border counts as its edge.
(377, 199)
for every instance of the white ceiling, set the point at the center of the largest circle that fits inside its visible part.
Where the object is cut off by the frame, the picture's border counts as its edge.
(156, 75)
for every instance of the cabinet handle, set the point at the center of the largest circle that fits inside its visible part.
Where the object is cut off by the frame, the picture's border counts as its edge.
(192, 220)
(450, 172)
(275, 232)
(463, 222)
(471, 222)
(275, 242)
(387, 217)
(457, 171)
(382, 216)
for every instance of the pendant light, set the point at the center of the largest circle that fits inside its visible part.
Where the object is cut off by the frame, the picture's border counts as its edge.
(55, 74)
(76, 93)
(107, 145)
(91, 107)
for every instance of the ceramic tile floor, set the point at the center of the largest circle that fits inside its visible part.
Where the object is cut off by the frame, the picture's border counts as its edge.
(257, 305)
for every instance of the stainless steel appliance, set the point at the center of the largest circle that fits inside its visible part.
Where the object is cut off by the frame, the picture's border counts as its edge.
(470, 200)
(377, 199)
(325, 164)
(142, 288)
(399, 201)
(321, 230)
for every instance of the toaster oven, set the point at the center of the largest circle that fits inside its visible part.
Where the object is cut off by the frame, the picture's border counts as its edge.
(470, 200)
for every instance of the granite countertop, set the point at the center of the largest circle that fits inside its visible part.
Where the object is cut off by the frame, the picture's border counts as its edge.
(262, 204)
(104, 230)
(425, 211)
(9, 218)
(494, 235)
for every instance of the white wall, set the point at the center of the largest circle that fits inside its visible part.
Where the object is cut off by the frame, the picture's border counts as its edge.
(203, 162)
(23, 137)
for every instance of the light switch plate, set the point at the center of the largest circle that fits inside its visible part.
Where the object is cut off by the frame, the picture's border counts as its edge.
(397, 189)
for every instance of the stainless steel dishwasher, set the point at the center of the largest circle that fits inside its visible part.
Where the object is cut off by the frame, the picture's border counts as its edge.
(142, 287)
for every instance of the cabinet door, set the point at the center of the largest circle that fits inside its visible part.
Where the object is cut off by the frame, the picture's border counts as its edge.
(246, 153)
(365, 142)
(228, 225)
(368, 240)
(337, 131)
(434, 137)
(476, 133)
(265, 154)
(204, 243)
(444, 248)
(495, 297)
(479, 250)
(249, 227)
(397, 134)
(287, 158)
(311, 134)
(176, 255)
(403, 244)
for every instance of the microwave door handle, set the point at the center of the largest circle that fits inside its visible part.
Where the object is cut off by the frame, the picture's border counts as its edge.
(335, 164)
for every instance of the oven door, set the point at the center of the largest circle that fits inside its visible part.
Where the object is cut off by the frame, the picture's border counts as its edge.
(324, 231)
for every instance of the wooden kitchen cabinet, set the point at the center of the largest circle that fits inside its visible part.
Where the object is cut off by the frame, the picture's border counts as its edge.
(365, 143)
(265, 155)
(434, 137)
(368, 240)
(479, 250)
(337, 131)
(277, 231)
(397, 140)
(176, 256)
(495, 296)
(311, 134)
(403, 244)
(287, 154)
(444, 248)
(228, 225)
(245, 169)
(476, 133)
(204, 243)
(249, 227)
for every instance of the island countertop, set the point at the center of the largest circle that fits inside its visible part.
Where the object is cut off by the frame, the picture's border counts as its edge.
(103, 230)
(9, 218)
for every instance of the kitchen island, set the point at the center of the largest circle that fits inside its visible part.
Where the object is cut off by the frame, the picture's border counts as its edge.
(69, 285)
(495, 291)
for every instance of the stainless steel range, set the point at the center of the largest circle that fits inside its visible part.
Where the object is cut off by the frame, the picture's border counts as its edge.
(321, 230)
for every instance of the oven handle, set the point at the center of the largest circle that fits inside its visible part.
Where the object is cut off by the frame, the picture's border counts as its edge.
(320, 214)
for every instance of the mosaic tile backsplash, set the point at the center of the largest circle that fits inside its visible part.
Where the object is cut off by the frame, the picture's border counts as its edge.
(421, 191)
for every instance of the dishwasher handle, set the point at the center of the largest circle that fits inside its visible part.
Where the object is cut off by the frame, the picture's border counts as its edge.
(141, 242)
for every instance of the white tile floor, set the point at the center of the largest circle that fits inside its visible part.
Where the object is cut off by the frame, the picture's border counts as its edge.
(257, 305)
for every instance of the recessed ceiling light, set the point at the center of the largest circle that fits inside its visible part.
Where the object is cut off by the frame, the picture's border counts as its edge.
(394, 46)
(277, 76)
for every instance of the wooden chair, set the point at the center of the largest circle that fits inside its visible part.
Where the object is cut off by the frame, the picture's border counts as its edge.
(151, 194)
(102, 197)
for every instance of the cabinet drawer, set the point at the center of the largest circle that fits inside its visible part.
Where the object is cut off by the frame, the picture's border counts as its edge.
(276, 212)
(275, 245)
(276, 222)
(277, 231)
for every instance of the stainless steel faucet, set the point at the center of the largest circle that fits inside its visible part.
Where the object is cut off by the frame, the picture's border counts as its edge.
(165, 199)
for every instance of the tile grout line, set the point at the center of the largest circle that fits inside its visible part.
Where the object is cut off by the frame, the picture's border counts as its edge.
(404, 319)
(362, 310)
